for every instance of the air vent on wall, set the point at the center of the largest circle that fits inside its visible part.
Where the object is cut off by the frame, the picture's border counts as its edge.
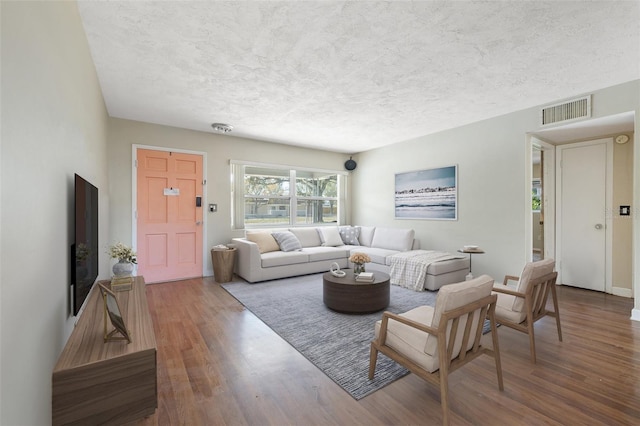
(575, 109)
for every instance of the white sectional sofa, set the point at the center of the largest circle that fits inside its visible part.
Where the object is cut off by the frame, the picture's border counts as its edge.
(308, 250)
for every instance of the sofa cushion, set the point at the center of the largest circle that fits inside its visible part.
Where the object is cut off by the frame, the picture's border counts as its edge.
(287, 241)
(377, 255)
(366, 235)
(308, 237)
(281, 258)
(349, 235)
(393, 239)
(446, 266)
(326, 253)
(329, 236)
(265, 241)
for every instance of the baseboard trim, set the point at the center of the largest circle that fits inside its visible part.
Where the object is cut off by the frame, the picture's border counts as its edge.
(624, 292)
(635, 314)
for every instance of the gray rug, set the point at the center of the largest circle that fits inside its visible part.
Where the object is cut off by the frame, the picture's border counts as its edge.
(338, 344)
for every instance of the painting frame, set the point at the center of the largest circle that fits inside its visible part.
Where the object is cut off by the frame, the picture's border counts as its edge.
(427, 194)
(112, 310)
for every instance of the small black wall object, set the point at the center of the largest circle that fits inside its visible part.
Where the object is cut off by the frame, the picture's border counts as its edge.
(350, 164)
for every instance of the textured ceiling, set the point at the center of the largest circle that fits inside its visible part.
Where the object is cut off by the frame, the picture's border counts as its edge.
(352, 76)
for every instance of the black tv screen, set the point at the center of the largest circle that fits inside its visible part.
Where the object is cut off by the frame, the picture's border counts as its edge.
(84, 251)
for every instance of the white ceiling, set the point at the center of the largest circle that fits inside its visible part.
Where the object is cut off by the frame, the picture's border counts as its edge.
(352, 76)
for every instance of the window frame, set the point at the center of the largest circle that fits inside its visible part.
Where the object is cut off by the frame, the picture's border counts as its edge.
(238, 196)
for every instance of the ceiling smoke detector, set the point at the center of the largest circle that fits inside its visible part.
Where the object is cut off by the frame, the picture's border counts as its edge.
(222, 128)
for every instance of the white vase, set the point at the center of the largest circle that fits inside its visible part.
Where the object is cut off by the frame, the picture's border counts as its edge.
(123, 268)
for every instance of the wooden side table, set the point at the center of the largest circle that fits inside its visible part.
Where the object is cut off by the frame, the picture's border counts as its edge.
(223, 264)
(470, 252)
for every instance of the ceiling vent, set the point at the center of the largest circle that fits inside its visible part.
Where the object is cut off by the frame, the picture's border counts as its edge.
(576, 109)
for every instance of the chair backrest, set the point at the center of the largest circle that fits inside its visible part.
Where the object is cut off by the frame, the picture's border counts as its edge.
(540, 288)
(451, 297)
(531, 271)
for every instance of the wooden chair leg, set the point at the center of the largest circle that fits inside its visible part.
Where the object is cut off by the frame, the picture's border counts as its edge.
(496, 354)
(532, 342)
(444, 396)
(554, 296)
(373, 359)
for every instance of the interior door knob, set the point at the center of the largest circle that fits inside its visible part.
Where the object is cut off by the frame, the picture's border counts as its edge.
(198, 223)
(598, 226)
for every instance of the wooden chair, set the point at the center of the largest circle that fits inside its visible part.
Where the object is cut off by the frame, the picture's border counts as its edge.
(433, 342)
(520, 307)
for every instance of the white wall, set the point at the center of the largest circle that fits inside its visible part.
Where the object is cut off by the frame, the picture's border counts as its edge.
(53, 125)
(123, 134)
(493, 191)
(491, 205)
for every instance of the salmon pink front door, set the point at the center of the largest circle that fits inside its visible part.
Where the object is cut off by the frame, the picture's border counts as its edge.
(169, 223)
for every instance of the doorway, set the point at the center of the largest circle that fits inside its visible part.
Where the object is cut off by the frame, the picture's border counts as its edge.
(541, 193)
(584, 189)
(169, 219)
(619, 247)
(537, 205)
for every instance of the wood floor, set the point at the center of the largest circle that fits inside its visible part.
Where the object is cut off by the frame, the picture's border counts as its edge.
(220, 365)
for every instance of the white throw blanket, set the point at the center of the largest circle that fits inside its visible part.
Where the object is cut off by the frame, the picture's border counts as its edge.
(409, 269)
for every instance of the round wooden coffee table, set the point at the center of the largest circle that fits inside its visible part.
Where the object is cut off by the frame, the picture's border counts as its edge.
(350, 296)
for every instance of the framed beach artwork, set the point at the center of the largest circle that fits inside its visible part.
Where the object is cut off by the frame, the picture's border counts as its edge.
(427, 194)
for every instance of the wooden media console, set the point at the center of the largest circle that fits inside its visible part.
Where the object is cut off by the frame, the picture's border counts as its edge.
(98, 382)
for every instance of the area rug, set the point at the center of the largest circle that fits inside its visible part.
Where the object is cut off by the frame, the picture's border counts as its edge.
(338, 344)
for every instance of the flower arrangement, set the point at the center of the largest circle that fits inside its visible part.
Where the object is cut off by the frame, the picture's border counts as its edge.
(123, 253)
(359, 258)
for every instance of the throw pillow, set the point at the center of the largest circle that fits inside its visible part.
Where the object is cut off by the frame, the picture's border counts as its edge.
(264, 240)
(330, 236)
(308, 236)
(350, 234)
(366, 235)
(287, 241)
(393, 239)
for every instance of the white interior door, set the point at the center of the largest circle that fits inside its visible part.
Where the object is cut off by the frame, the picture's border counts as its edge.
(583, 179)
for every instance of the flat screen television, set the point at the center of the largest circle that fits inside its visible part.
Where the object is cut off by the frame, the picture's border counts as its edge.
(84, 250)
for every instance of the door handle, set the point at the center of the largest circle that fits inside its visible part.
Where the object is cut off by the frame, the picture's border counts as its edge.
(198, 223)
(598, 226)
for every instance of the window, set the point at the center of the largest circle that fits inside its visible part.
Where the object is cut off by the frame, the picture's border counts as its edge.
(273, 196)
(536, 195)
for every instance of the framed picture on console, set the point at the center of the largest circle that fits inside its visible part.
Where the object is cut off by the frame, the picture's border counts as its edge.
(427, 194)
(112, 310)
